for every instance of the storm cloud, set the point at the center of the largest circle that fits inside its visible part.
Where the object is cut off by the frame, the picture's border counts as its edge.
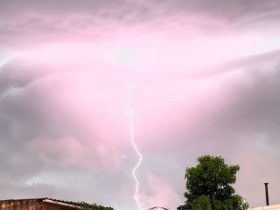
(206, 77)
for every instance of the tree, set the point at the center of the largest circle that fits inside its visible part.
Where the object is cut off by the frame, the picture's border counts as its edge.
(212, 179)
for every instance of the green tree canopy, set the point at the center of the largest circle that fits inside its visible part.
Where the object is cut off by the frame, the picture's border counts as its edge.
(212, 179)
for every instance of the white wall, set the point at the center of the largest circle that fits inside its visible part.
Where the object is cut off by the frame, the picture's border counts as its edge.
(271, 207)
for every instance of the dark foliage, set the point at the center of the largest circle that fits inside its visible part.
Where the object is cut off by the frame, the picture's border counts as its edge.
(212, 179)
(93, 206)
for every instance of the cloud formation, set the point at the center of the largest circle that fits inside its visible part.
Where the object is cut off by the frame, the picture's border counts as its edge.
(206, 82)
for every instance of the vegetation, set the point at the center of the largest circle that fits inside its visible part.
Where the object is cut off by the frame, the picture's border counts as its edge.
(94, 206)
(208, 185)
(202, 203)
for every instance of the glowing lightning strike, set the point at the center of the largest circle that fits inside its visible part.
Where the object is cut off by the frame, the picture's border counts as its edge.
(132, 139)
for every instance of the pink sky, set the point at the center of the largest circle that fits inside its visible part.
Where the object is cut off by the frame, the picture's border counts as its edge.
(205, 81)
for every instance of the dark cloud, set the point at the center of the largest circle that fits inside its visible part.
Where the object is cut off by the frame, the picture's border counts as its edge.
(33, 22)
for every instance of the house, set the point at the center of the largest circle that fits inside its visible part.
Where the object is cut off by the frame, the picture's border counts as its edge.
(37, 204)
(271, 207)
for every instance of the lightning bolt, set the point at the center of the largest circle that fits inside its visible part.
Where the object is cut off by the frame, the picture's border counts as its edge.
(132, 139)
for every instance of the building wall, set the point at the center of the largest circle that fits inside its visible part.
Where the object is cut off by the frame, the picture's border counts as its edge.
(25, 204)
(31, 204)
(271, 207)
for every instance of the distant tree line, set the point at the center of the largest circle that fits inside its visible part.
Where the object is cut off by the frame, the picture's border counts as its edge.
(93, 206)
